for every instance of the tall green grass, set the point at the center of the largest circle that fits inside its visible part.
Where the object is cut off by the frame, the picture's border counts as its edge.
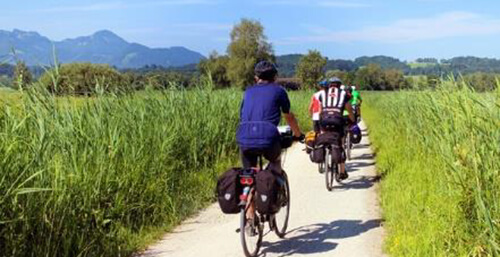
(103, 176)
(439, 154)
(88, 179)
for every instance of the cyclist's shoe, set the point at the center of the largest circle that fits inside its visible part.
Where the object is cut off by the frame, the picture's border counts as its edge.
(251, 228)
(337, 177)
(343, 176)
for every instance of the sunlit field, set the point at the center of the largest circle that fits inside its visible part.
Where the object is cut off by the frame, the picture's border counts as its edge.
(438, 152)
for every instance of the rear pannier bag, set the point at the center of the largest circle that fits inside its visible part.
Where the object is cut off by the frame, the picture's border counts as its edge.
(267, 187)
(337, 153)
(331, 119)
(332, 139)
(329, 138)
(317, 155)
(229, 190)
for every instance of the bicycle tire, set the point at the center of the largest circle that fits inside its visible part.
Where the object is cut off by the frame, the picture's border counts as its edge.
(321, 167)
(244, 236)
(328, 170)
(281, 232)
(348, 146)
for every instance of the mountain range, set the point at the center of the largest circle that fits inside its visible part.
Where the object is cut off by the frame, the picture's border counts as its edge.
(101, 47)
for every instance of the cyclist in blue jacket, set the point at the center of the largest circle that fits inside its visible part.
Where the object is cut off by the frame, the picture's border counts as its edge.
(260, 115)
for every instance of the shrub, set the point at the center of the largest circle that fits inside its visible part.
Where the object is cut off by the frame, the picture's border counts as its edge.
(83, 79)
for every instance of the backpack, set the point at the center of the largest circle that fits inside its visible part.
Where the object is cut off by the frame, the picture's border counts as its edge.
(229, 190)
(331, 119)
(267, 188)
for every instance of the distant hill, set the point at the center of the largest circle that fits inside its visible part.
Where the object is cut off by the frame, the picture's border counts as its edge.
(287, 63)
(101, 47)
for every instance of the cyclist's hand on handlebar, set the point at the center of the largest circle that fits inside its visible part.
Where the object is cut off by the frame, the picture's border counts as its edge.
(300, 138)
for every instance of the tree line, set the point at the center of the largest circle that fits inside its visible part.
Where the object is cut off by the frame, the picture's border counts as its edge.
(234, 68)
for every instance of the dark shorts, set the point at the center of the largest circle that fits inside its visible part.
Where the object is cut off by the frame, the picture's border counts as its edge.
(249, 156)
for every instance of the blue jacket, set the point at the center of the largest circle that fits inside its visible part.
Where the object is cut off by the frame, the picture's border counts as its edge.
(260, 114)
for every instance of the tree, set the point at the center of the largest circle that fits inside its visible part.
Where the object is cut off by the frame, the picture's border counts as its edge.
(22, 76)
(394, 79)
(310, 68)
(248, 46)
(370, 77)
(215, 67)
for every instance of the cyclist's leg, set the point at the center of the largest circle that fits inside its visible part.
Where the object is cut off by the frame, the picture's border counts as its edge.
(342, 170)
(316, 126)
(248, 158)
(273, 155)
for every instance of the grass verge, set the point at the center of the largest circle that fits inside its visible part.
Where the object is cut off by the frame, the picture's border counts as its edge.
(438, 153)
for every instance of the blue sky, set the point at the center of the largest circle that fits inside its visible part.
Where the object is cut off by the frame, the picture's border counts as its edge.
(405, 29)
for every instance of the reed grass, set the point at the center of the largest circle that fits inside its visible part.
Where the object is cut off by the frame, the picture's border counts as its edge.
(439, 153)
(104, 176)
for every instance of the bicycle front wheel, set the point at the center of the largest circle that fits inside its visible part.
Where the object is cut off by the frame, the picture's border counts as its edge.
(251, 232)
(280, 221)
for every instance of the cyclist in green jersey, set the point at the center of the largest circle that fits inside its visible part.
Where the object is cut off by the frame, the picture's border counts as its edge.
(355, 101)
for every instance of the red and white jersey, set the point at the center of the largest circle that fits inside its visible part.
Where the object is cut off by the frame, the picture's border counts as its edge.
(316, 105)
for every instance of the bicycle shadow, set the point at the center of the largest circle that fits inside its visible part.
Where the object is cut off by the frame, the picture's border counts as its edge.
(355, 166)
(365, 156)
(363, 182)
(361, 146)
(317, 238)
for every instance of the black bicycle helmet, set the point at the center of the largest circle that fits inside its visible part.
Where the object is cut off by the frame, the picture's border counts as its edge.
(265, 70)
(335, 80)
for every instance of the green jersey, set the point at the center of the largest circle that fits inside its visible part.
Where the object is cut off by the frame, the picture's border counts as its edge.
(355, 97)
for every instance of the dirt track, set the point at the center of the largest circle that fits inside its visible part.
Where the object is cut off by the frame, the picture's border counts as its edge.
(344, 222)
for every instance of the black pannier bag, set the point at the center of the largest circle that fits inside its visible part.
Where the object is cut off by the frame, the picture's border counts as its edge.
(334, 140)
(317, 155)
(267, 187)
(337, 153)
(329, 138)
(229, 190)
(331, 119)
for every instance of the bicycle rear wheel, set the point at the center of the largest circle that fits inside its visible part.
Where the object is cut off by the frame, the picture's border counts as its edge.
(329, 176)
(280, 220)
(347, 146)
(321, 167)
(251, 234)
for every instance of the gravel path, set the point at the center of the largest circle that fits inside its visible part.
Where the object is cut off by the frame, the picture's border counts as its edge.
(344, 222)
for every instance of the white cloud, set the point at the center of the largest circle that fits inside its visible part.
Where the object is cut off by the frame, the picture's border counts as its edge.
(446, 25)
